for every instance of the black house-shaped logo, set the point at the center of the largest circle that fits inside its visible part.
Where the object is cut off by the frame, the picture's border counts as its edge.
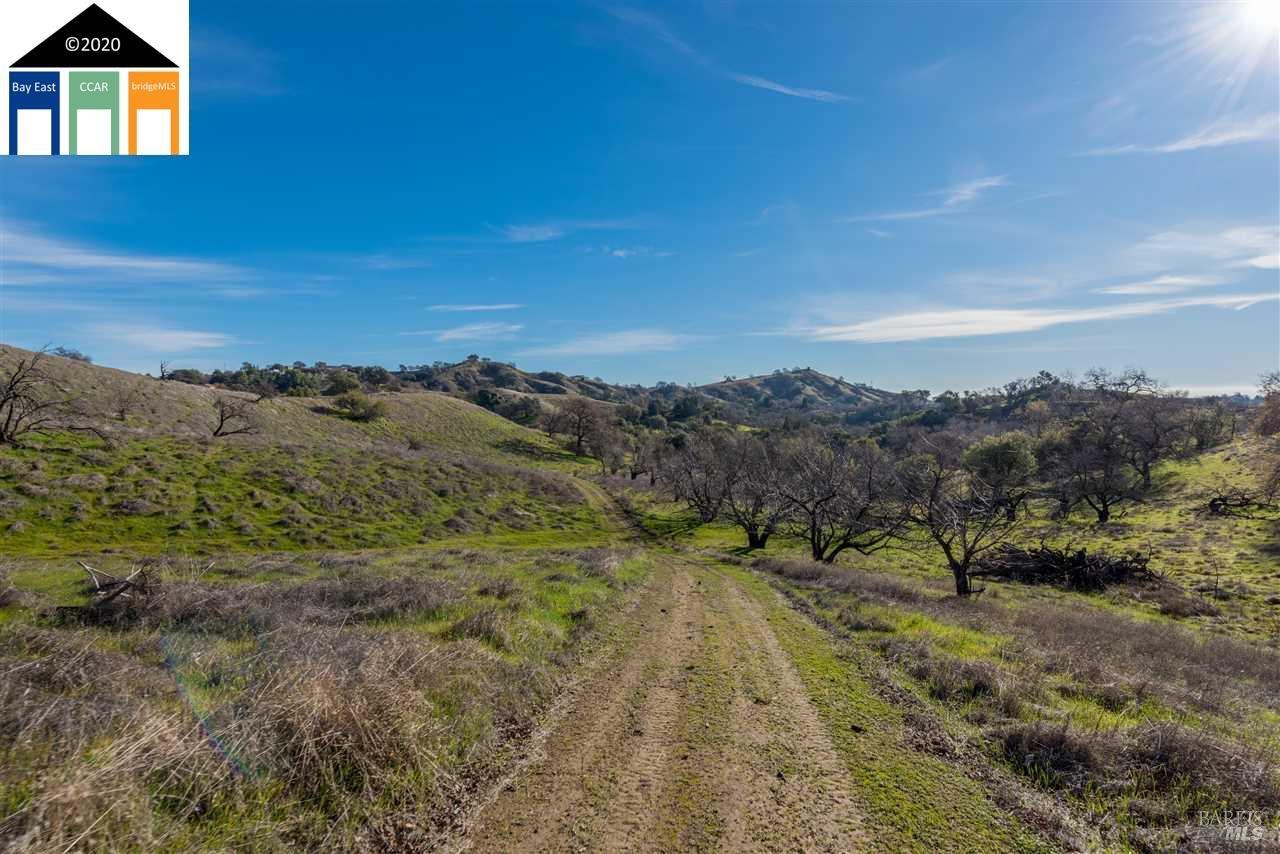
(94, 22)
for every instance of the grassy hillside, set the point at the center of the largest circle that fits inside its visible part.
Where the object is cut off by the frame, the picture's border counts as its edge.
(435, 468)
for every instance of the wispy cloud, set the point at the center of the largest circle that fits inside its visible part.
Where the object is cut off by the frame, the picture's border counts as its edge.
(1262, 262)
(1232, 131)
(657, 28)
(962, 323)
(498, 306)
(969, 191)
(532, 233)
(1164, 285)
(880, 233)
(156, 339)
(620, 343)
(542, 232)
(625, 252)
(472, 332)
(25, 246)
(1237, 246)
(955, 199)
(794, 91)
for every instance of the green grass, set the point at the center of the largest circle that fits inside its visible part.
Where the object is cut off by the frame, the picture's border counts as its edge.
(497, 634)
(61, 495)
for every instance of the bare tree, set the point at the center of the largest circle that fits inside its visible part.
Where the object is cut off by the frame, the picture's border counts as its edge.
(164, 370)
(1095, 463)
(235, 417)
(754, 499)
(646, 457)
(31, 402)
(124, 399)
(608, 445)
(696, 473)
(1267, 420)
(1155, 427)
(954, 512)
(25, 404)
(575, 418)
(1210, 426)
(839, 495)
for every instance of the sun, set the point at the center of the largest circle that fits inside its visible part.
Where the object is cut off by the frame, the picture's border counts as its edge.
(1262, 16)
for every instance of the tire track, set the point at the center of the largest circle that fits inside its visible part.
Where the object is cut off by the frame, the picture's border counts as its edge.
(700, 736)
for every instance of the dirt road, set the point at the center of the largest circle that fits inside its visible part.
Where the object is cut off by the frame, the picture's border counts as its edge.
(696, 734)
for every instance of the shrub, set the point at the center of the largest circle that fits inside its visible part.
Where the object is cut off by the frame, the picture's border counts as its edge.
(1055, 756)
(488, 624)
(1172, 756)
(359, 407)
(341, 382)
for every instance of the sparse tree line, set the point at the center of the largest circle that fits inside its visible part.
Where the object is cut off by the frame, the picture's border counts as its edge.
(954, 493)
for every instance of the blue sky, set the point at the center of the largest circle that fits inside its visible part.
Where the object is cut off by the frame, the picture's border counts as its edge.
(915, 196)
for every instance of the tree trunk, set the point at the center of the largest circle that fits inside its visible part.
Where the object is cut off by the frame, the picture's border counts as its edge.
(1104, 514)
(961, 575)
(1146, 475)
(755, 540)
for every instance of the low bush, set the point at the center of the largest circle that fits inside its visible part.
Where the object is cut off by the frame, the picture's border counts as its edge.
(358, 406)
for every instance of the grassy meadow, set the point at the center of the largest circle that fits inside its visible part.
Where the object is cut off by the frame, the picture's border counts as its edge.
(351, 629)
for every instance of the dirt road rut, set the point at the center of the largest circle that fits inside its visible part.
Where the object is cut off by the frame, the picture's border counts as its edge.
(696, 735)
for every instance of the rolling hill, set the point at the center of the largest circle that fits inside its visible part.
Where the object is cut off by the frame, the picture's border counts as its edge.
(749, 398)
(436, 467)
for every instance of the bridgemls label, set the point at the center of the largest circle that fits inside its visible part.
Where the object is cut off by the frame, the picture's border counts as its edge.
(104, 78)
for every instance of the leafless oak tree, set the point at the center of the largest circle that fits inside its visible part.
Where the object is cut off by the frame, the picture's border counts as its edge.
(840, 495)
(753, 498)
(31, 402)
(952, 511)
(235, 417)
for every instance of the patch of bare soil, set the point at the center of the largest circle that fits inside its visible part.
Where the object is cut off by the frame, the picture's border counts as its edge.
(697, 735)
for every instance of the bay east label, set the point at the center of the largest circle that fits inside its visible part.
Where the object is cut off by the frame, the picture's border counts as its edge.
(33, 112)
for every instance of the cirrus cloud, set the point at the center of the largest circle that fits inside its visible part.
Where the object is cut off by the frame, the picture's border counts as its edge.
(157, 339)
(966, 322)
(621, 343)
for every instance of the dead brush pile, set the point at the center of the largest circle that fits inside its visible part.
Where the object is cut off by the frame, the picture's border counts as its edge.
(1070, 569)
